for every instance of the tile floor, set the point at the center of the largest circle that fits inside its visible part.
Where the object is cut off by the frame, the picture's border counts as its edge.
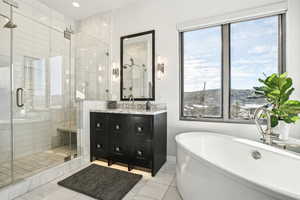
(28, 165)
(160, 187)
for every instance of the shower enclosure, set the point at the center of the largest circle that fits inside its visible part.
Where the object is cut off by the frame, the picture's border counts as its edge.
(38, 111)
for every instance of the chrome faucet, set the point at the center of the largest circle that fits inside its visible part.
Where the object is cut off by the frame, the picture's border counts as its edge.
(267, 136)
(131, 99)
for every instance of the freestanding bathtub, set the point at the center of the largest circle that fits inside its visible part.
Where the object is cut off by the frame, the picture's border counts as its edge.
(212, 166)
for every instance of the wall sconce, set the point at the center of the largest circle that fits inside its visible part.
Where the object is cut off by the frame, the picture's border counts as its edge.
(161, 65)
(115, 71)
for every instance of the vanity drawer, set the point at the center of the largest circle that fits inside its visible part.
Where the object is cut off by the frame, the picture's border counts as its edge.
(100, 123)
(117, 123)
(118, 150)
(142, 127)
(101, 145)
(141, 154)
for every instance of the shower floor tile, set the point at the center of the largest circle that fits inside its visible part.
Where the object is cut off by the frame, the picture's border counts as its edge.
(32, 164)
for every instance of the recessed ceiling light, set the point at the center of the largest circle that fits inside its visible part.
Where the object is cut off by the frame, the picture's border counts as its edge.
(75, 4)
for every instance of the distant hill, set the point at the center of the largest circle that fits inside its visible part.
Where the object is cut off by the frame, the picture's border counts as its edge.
(214, 97)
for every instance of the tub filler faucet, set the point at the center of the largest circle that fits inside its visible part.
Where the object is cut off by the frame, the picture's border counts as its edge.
(266, 134)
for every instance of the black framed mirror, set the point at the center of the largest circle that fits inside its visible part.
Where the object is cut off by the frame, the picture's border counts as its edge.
(138, 67)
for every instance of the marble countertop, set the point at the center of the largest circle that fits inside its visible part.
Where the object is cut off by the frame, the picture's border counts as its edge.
(129, 111)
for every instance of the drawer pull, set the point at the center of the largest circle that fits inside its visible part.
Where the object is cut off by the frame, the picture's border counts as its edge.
(117, 127)
(139, 152)
(99, 146)
(117, 149)
(140, 129)
(98, 125)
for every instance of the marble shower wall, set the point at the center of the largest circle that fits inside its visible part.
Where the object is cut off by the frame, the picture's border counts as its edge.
(93, 60)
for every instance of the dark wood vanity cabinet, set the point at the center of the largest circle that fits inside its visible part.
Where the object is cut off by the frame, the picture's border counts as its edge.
(136, 140)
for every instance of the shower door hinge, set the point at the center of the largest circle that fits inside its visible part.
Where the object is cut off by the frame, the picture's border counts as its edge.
(68, 32)
(67, 35)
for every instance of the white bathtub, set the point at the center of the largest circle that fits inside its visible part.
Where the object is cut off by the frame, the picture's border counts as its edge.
(212, 166)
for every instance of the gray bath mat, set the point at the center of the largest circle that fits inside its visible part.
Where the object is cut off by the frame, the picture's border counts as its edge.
(102, 183)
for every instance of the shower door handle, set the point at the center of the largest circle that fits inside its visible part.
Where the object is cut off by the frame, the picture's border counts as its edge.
(19, 97)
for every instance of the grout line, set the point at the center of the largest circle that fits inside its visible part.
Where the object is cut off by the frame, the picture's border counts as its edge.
(166, 193)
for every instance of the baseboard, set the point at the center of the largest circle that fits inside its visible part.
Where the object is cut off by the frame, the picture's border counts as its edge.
(171, 158)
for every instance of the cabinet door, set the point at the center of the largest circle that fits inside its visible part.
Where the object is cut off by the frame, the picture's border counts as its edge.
(101, 146)
(141, 154)
(100, 122)
(141, 127)
(99, 136)
(118, 140)
(118, 127)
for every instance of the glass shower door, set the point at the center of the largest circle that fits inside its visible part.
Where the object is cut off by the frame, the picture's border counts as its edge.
(41, 104)
(5, 118)
(38, 112)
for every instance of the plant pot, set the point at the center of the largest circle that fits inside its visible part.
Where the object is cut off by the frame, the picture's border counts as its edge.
(282, 129)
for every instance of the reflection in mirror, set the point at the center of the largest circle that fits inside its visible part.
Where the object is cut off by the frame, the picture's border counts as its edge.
(137, 71)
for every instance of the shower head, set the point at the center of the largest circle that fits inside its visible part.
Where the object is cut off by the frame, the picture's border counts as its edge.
(10, 24)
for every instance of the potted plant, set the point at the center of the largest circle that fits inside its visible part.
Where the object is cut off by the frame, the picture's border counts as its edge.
(277, 89)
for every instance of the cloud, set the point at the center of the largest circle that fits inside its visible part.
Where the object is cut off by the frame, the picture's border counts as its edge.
(260, 49)
(254, 52)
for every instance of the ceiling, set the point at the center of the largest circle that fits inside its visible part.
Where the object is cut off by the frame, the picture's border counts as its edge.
(87, 7)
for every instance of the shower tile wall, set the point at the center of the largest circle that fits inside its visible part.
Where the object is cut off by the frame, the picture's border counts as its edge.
(93, 57)
(35, 129)
(98, 26)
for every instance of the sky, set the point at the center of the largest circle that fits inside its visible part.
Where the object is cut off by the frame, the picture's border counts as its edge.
(254, 52)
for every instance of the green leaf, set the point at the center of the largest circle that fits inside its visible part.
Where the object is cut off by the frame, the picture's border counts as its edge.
(287, 83)
(290, 91)
(295, 118)
(286, 96)
(261, 80)
(263, 89)
(288, 120)
(259, 93)
(291, 118)
(274, 121)
(273, 81)
(275, 92)
(292, 103)
(284, 75)
(291, 107)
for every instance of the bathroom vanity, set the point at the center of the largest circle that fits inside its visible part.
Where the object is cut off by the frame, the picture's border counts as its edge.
(135, 138)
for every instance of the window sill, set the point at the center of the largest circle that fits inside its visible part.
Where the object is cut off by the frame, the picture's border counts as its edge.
(216, 120)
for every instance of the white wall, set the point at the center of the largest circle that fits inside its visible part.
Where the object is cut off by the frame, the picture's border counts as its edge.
(293, 49)
(163, 16)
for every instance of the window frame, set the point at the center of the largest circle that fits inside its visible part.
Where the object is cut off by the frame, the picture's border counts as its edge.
(226, 69)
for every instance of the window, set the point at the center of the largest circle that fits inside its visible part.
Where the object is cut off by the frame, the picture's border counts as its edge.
(202, 57)
(220, 66)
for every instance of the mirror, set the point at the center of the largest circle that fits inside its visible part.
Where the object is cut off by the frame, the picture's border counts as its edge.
(138, 66)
